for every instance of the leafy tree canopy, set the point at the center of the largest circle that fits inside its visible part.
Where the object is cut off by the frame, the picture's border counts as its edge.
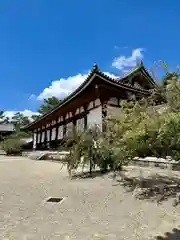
(49, 104)
(20, 120)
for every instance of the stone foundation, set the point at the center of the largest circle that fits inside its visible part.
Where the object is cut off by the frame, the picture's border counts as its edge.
(156, 162)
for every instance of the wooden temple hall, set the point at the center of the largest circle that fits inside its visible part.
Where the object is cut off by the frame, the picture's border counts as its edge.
(89, 104)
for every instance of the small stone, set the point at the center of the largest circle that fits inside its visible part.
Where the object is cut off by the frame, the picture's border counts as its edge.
(98, 236)
(67, 237)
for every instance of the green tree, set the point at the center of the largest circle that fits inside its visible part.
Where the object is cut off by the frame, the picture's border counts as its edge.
(35, 117)
(138, 130)
(169, 76)
(12, 145)
(20, 120)
(49, 104)
(6, 120)
(159, 95)
(1, 114)
(173, 93)
(83, 150)
(3, 118)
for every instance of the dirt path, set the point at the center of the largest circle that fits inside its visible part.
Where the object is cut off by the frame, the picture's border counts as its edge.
(92, 209)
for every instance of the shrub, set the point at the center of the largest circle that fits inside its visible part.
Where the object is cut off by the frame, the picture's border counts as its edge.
(134, 132)
(139, 130)
(12, 146)
(169, 136)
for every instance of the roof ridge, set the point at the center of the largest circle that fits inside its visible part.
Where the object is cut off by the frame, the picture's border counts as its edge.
(95, 69)
(120, 82)
(137, 67)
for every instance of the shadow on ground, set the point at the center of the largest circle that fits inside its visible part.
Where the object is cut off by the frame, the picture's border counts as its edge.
(174, 235)
(94, 174)
(155, 187)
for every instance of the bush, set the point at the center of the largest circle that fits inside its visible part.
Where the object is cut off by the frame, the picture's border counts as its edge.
(139, 130)
(12, 146)
(135, 132)
(169, 136)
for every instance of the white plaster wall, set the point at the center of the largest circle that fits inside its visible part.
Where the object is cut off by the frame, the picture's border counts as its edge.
(38, 137)
(80, 124)
(34, 140)
(69, 129)
(48, 135)
(97, 102)
(43, 137)
(95, 117)
(136, 84)
(53, 136)
(81, 109)
(60, 132)
(90, 105)
(113, 111)
(113, 100)
(77, 111)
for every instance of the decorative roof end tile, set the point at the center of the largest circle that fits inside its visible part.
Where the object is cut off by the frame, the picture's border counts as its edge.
(95, 67)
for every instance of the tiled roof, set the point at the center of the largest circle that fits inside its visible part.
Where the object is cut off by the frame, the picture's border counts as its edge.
(119, 81)
(6, 127)
(95, 70)
(140, 67)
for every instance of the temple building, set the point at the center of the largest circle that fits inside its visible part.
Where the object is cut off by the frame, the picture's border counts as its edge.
(6, 129)
(89, 104)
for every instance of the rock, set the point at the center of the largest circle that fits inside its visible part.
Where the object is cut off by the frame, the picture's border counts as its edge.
(176, 201)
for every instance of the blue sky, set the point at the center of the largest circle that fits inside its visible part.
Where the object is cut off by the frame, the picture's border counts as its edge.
(43, 41)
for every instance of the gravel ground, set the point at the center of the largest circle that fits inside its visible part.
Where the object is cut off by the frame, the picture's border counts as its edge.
(92, 209)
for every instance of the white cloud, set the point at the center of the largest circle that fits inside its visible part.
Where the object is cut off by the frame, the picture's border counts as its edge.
(123, 62)
(58, 88)
(63, 87)
(26, 113)
(110, 75)
(32, 96)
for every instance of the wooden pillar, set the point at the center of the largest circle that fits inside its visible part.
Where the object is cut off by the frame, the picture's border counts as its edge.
(50, 137)
(45, 136)
(85, 121)
(104, 115)
(33, 138)
(37, 145)
(40, 138)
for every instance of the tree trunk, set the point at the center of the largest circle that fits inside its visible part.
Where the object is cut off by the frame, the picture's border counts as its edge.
(90, 161)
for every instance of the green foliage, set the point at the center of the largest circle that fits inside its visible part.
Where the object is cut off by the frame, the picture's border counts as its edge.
(49, 104)
(140, 129)
(173, 94)
(143, 130)
(1, 114)
(169, 135)
(3, 118)
(12, 146)
(20, 120)
(82, 150)
(158, 96)
(21, 134)
(129, 132)
(169, 76)
(35, 117)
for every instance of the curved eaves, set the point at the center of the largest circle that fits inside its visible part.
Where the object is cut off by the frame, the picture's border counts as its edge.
(94, 72)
